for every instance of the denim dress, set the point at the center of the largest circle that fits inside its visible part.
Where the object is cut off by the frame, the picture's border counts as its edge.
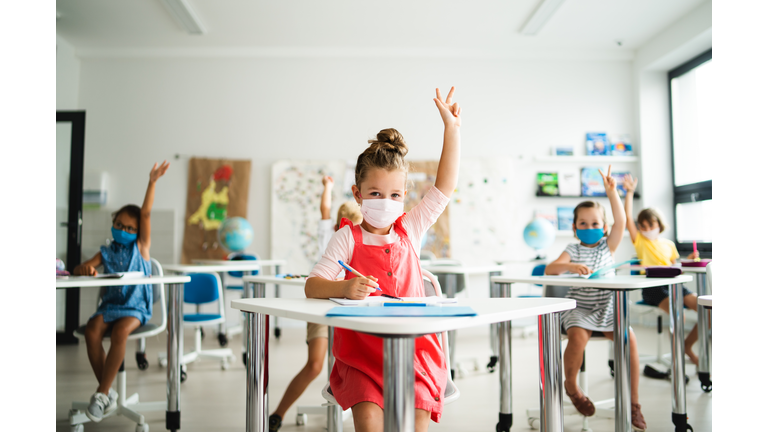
(127, 300)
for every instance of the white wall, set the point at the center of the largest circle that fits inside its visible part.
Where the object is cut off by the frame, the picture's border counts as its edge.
(680, 42)
(142, 110)
(67, 75)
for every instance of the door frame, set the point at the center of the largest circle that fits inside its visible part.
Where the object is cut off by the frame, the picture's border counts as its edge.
(74, 220)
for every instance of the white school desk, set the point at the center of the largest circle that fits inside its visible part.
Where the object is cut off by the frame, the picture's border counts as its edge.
(334, 414)
(452, 273)
(175, 331)
(705, 350)
(247, 266)
(398, 334)
(621, 285)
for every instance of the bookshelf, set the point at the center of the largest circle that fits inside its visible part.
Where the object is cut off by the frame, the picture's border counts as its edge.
(588, 159)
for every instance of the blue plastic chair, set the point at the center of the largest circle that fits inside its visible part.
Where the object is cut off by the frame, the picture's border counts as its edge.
(204, 288)
(537, 271)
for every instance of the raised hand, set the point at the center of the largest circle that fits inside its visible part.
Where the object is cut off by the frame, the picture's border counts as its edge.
(451, 114)
(630, 184)
(608, 181)
(156, 172)
(327, 181)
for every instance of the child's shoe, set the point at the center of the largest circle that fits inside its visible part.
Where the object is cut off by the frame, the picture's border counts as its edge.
(96, 410)
(275, 422)
(638, 421)
(112, 401)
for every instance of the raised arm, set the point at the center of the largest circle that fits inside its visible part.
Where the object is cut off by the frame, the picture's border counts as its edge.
(448, 168)
(146, 209)
(619, 217)
(325, 199)
(630, 185)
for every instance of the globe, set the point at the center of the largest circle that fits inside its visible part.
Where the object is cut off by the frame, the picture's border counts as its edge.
(235, 234)
(539, 234)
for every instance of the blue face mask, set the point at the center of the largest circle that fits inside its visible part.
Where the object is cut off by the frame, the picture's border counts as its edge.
(123, 237)
(590, 236)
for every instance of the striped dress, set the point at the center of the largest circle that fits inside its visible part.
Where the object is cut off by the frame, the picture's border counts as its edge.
(594, 307)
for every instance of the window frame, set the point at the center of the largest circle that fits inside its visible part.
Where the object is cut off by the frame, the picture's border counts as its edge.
(693, 192)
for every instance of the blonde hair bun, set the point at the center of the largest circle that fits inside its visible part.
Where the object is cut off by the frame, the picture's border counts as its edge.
(389, 140)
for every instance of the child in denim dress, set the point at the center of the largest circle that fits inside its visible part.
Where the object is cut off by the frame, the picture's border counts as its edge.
(123, 309)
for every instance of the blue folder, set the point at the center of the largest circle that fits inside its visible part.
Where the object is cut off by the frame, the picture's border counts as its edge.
(401, 311)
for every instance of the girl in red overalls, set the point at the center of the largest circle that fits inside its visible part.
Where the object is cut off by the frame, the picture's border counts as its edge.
(386, 247)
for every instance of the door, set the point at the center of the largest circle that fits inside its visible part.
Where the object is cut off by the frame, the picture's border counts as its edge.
(70, 149)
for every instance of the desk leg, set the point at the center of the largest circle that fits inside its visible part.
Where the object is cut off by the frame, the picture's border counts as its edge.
(491, 366)
(451, 281)
(335, 415)
(175, 349)
(257, 373)
(259, 291)
(621, 382)
(550, 374)
(705, 349)
(223, 326)
(277, 295)
(504, 351)
(399, 393)
(677, 337)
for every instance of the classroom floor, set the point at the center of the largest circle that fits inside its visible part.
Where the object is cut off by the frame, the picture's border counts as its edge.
(213, 399)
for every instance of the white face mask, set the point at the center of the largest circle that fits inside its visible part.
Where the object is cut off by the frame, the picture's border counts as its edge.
(651, 235)
(381, 213)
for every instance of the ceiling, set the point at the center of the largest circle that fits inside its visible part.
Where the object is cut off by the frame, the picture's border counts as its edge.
(363, 24)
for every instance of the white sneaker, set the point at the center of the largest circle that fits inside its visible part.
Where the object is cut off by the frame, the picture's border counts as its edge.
(95, 411)
(112, 401)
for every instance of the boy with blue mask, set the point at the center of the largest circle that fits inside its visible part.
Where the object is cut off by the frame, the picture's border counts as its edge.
(594, 307)
(123, 309)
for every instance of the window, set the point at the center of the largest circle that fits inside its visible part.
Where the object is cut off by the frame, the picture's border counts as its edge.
(691, 117)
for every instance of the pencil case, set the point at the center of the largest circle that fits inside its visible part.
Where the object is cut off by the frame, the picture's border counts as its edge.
(662, 272)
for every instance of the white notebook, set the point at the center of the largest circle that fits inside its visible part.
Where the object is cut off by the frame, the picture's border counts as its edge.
(380, 299)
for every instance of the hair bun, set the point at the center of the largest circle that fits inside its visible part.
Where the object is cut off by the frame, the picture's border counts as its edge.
(390, 140)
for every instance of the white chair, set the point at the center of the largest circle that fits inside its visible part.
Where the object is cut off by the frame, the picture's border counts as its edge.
(203, 288)
(128, 406)
(431, 289)
(603, 408)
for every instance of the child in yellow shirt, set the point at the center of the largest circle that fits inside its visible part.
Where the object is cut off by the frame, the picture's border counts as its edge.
(654, 251)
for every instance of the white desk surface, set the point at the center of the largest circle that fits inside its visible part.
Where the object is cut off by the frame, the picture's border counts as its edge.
(87, 281)
(489, 311)
(462, 269)
(211, 268)
(613, 283)
(271, 279)
(265, 263)
(705, 300)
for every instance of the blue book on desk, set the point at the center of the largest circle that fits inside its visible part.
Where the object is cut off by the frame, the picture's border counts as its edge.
(401, 311)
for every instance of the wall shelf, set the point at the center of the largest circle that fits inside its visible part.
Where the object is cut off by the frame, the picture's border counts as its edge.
(588, 159)
(637, 196)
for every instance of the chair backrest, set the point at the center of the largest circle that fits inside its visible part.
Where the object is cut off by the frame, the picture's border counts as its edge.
(539, 270)
(709, 277)
(241, 256)
(203, 288)
(158, 295)
(431, 284)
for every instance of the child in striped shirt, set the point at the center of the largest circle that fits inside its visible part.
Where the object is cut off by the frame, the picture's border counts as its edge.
(594, 307)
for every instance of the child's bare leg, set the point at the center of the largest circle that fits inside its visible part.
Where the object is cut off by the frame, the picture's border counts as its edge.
(316, 354)
(120, 331)
(94, 334)
(422, 420)
(573, 356)
(691, 300)
(368, 417)
(634, 365)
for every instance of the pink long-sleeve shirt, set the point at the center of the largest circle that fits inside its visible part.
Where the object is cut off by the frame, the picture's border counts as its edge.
(416, 223)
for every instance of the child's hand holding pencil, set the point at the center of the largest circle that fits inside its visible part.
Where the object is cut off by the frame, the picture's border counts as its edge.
(358, 288)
